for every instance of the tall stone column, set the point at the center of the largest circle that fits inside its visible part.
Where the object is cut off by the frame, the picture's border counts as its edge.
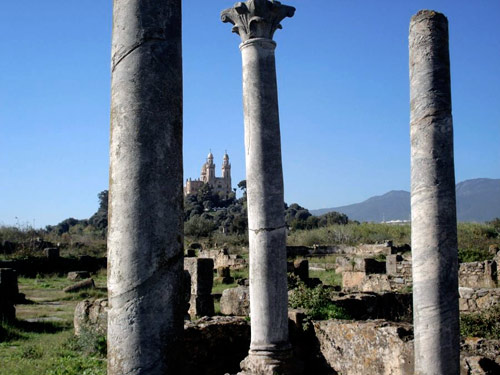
(433, 207)
(145, 240)
(256, 21)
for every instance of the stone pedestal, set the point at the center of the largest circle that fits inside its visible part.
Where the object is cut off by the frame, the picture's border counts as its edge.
(201, 272)
(145, 233)
(255, 21)
(433, 205)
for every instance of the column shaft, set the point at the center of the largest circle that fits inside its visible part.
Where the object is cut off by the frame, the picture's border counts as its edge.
(267, 232)
(145, 241)
(433, 205)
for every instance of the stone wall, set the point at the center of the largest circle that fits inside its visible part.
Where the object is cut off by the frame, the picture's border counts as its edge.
(222, 258)
(363, 250)
(30, 267)
(366, 347)
(216, 345)
(359, 274)
(476, 300)
(478, 274)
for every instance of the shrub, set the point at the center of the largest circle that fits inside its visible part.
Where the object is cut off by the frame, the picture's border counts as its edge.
(485, 324)
(316, 302)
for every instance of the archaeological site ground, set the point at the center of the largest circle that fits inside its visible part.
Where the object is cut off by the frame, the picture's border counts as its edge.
(167, 278)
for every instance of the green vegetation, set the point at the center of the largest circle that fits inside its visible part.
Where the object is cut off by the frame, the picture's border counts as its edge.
(485, 324)
(41, 340)
(328, 277)
(351, 234)
(316, 302)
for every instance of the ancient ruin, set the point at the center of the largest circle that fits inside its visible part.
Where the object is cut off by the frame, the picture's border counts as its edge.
(255, 21)
(145, 241)
(433, 205)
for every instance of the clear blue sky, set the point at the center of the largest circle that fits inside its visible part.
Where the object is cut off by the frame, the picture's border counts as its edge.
(343, 90)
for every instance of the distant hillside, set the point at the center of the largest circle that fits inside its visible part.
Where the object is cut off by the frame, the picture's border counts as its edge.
(477, 200)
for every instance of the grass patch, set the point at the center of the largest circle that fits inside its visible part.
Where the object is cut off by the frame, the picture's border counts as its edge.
(41, 341)
(328, 277)
(485, 324)
(316, 302)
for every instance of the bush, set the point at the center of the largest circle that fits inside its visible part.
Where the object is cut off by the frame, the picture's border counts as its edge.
(485, 324)
(316, 302)
(473, 255)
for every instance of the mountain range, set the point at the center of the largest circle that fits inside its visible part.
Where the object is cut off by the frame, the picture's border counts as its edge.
(477, 200)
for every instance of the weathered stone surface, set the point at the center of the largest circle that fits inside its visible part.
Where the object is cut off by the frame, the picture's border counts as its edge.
(223, 259)
(359, 264)
(256, 18)
(372, 347)
(476, 300)
(352, 280)
(255, 21)
(201, 272)
(91, 316)
(85, 284)
(145, 232)
(235, 301)
(214, 346)
(78, 275)
(433, 201)
(475, 346)
(478, 274)
(478, 365)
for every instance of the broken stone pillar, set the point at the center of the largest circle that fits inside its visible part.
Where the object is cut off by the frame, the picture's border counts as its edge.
(433, 206)
(201, 272)
(145, 234)
(256, 21)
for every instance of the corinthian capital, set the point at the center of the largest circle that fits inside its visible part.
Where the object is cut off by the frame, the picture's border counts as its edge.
(256, 18)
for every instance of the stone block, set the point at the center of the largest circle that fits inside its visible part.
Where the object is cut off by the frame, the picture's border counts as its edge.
(235, 301)
(9, 289)
(78, 275)
(91, 316)
(352, 279)
(367, 347)
(392, 262)
(201, 271)
(223, 272)
(85, 284)
(201, 305)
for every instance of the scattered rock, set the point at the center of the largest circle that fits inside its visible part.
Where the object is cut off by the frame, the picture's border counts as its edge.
(85, 284)
(91, 316)
(78, 275)
(235, 301)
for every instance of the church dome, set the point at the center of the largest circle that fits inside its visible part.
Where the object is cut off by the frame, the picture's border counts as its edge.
(210, 155)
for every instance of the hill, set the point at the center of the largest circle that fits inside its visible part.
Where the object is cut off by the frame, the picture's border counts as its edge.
(477, 200)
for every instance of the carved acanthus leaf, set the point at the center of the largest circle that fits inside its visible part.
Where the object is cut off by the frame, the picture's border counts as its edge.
(256, 18)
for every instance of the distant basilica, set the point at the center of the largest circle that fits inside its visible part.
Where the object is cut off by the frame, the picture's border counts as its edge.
(218, 184)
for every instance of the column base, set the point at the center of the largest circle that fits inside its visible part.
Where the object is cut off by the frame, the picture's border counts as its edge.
(271, 363)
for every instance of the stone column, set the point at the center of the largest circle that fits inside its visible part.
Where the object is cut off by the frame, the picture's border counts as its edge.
(433, 207)
(255, 21)
(145, 234)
